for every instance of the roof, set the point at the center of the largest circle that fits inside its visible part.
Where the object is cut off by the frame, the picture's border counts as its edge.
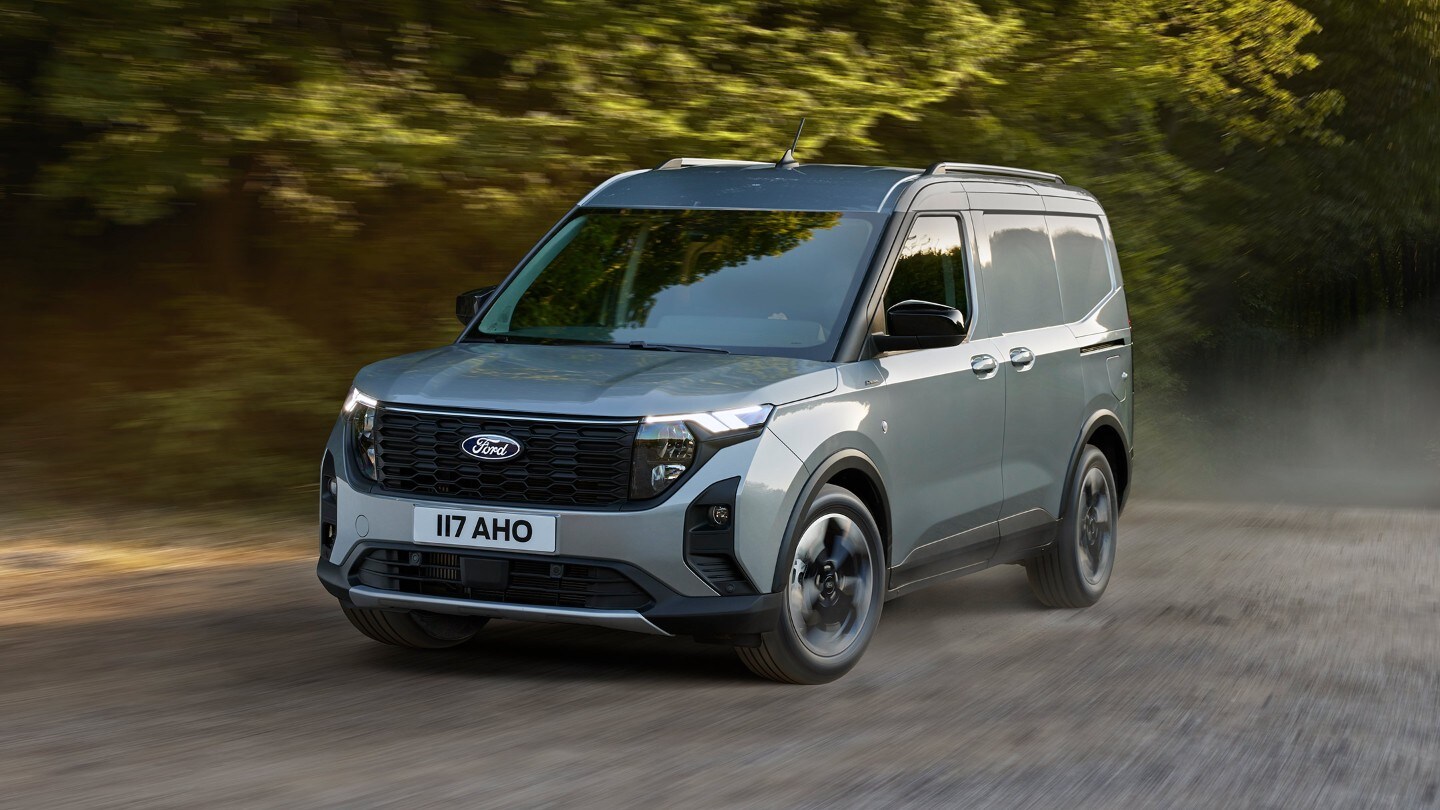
(759, 186)
(690, 183)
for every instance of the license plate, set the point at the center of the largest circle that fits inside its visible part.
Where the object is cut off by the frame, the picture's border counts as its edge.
(511, 531)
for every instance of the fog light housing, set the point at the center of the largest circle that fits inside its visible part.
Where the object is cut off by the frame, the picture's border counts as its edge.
(719, 515)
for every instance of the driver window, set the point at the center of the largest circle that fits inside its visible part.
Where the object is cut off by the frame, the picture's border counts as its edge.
(931, 266)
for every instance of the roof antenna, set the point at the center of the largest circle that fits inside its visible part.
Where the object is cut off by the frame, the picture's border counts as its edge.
(788, 159)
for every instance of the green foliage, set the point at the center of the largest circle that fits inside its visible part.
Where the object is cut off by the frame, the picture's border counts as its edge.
(244, 387)
(317, 109)
(663, 77)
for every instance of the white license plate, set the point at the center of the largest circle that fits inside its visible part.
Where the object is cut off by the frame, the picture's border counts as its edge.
(511, 531)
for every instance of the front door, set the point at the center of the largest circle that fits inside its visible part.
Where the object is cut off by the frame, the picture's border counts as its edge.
(946, 419)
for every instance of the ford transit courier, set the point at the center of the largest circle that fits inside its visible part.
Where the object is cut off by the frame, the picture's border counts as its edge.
(749, 403)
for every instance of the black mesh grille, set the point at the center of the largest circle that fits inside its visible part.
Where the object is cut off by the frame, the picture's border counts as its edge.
(513, 581)
(562, 463)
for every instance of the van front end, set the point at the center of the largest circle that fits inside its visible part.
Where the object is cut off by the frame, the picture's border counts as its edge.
(621, 522)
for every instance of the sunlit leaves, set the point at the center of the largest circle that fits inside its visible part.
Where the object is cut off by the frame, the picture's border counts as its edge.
(314, 108)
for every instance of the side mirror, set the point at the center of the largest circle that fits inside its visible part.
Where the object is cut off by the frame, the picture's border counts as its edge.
(921, 325)
(467, 304)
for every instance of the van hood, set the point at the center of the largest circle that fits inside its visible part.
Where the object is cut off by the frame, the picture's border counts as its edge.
(591, 381)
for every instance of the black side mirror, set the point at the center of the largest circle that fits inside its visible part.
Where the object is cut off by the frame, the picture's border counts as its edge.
(468, 304)
(921, 325)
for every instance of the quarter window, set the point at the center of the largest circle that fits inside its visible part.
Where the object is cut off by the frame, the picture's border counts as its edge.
(1084, 264)
(931, 265)
(1021, 289)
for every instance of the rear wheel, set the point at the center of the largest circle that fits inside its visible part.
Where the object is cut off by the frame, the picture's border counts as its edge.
(1074, 571)
(417, 630)
(834, 590)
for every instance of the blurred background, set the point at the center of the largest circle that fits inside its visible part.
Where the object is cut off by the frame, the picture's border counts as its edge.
(214, 213)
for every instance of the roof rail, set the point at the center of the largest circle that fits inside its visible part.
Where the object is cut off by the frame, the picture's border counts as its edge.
(1003, 171)
(682, 162)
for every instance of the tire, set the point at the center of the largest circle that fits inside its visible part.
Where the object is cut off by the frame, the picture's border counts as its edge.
(833, 593)
(419, 631)
(1074, 571)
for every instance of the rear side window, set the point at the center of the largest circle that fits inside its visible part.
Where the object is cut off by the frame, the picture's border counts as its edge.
(1084, 264)
(931, 266)
(1021, 288)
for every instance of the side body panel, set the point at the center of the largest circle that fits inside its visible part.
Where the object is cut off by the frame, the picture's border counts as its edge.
(1103, 342)
(948, 446)
(846, 420)
(1114, 317)
(1044, 413)
(943, 490)
(1044, 386)
(945, 443)
(940, 448)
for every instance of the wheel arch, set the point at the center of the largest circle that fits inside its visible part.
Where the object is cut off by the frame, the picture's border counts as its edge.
(1107, 433)
(851, 470)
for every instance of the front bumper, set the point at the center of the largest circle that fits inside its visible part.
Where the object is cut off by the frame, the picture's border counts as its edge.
(725, 619)
(652, 539)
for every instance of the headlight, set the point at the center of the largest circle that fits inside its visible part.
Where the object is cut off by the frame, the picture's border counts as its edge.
(360, 414)
(663, 452)
(665, 445)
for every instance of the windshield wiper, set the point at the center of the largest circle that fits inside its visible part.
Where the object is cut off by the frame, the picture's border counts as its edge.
(633, 344)
(641, 345)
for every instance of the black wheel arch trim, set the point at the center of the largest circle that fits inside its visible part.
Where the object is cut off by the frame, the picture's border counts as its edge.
(826, 470)
(1103, 418)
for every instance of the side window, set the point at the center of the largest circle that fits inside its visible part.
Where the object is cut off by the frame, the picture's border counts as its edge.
(1021, 288)
(931, 266)
(1084, 264)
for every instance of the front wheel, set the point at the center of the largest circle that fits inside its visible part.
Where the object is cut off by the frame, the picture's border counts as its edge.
(1074, 571)
(834, 590)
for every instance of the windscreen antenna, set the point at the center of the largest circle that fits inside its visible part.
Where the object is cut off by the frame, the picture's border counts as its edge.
(788, 159)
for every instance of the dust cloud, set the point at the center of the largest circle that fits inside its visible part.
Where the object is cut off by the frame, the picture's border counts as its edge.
(1351, 421)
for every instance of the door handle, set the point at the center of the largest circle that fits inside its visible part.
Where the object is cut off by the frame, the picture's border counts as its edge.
(984, 366)
(1022, 358)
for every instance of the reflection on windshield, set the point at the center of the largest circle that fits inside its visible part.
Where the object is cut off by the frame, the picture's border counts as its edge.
(757, 282)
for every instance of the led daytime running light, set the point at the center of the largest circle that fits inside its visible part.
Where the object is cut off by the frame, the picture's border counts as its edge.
(357, 397)
(721, 422)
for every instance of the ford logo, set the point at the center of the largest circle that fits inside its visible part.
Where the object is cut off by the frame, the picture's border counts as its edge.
(490, 447)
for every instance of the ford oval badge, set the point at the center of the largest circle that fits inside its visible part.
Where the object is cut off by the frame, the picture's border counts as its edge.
(490, 447)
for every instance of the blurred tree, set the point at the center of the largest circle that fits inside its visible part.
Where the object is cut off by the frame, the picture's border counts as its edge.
(1340, 231)
(316, 106)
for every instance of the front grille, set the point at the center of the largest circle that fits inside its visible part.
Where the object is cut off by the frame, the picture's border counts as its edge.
(563, 463)
(500, 579)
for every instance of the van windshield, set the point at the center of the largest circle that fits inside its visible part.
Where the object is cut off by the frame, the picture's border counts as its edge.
(748, 282)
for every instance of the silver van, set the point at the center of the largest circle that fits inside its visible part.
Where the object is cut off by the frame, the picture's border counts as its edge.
(749, 403)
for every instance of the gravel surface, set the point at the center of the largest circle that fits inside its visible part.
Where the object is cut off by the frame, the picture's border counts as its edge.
(1243, 657)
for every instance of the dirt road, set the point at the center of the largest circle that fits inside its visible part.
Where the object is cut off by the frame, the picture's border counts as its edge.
(1244, 657)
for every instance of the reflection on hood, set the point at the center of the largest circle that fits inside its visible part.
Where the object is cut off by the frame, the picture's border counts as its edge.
(592, 381)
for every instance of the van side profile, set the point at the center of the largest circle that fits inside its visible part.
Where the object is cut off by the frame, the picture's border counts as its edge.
(749, 403)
